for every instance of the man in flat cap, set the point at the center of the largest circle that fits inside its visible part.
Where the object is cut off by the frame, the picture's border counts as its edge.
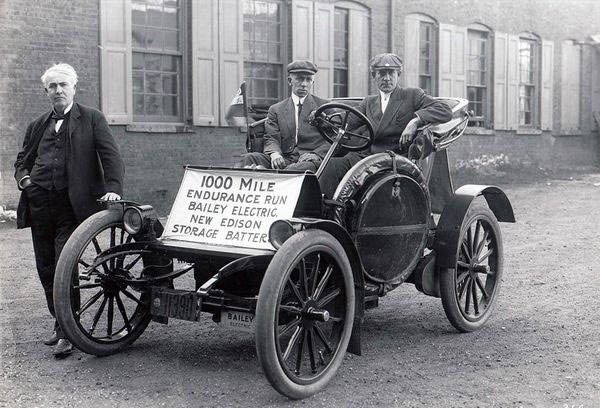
(290, 142)
(395, 114)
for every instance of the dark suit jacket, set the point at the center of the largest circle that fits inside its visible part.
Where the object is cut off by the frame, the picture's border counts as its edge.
(94, 164)
(280, 128)
(402, 107)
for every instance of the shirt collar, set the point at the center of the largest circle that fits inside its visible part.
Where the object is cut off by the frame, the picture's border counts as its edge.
(296, 99)
(67, 109)
(385, 95)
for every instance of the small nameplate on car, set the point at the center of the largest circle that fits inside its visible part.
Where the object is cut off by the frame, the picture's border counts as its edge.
(178, 304)
(240, 321)
(231, 208)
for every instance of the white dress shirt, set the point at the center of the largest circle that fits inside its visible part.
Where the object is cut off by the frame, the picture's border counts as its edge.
(385, 98)
(58, 123)
(296, 99)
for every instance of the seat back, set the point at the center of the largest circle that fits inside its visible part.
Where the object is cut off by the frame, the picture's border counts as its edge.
(254, 137)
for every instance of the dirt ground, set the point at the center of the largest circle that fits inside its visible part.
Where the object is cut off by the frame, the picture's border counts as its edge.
(541, 348)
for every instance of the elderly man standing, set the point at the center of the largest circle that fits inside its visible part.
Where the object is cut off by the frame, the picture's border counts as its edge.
(290, 142)
(395, 114)
(69, 160)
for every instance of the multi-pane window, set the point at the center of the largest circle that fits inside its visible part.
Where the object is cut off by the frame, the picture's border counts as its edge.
(528, 55)
(263, 51)
(478, 77)
(340, 54)
(426, 61)
(157, 54)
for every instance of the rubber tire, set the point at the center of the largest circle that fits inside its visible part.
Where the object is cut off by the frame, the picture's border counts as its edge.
(448, 276)
(70, 254)
(275, 277)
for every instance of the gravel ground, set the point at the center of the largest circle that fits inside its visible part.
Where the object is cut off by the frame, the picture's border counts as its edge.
(541, 348)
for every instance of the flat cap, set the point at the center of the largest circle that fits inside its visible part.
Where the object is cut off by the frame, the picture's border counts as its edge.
(386, 61)
(302, 66)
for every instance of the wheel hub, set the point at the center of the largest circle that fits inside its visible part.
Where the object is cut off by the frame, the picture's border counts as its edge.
(476, 268)
(310, 312)
(113, 283)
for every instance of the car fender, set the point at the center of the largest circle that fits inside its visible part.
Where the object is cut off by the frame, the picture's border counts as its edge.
(448, 228)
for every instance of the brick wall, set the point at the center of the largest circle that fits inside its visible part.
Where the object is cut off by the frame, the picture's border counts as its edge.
(154, 161)
(555, 20)
(34, 35)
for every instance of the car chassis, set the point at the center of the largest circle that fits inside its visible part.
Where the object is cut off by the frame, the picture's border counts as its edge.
(301, 280)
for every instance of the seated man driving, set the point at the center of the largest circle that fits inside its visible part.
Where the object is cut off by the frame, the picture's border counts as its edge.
(395, 114)
(290, 142)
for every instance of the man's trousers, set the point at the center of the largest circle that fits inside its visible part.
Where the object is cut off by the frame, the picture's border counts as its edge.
(52, 222)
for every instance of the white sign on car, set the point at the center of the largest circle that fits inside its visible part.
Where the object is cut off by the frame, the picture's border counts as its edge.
(232, 208)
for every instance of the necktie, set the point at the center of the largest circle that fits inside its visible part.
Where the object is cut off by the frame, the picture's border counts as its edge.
(298, 120)
(58, 120)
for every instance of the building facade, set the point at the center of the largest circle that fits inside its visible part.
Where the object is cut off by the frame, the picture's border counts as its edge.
(164, 72)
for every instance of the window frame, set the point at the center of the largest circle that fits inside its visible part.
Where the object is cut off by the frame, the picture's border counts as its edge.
(181, 76)
(486, 121)
(336, 68)
(535, 84)
(432, 57)
(283, 37)
(412, 51)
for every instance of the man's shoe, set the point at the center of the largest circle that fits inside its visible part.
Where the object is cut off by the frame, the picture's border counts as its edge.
(52, 340)
(63, 348)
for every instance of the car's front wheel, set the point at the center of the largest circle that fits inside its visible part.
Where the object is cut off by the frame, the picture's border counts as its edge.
(305, 313)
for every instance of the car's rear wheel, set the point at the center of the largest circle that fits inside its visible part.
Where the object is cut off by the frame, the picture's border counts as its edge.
(470, 290)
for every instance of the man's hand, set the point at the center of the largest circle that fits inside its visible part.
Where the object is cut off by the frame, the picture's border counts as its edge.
(309, 157)
(277, 161)
(409, 133)
(110, 196)
(311, 118)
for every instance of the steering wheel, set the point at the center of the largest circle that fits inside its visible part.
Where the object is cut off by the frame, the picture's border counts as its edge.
(332, 125)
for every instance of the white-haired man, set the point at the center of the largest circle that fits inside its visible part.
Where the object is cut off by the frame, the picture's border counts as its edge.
(69, 159)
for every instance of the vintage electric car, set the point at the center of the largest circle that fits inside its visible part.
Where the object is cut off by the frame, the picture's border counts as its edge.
(272, 256)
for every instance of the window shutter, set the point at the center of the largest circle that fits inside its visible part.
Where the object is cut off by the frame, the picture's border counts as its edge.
(500, 82)
(452, 61)
(205, 92)
(570, 83)
(115, 61)
(512, 87)
(547, 83)
(323, 50)
(411, 51)
(303, 29)
(358, 53)
(231, 52)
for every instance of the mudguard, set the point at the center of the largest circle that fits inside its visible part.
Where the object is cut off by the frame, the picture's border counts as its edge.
(357, 176)
(448, 228)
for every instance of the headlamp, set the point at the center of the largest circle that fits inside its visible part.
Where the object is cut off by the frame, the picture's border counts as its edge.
(138, 219)
(280, 231)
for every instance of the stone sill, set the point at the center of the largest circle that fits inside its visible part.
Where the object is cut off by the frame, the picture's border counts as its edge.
(568, 132)
(528, 132)
(159, 128)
